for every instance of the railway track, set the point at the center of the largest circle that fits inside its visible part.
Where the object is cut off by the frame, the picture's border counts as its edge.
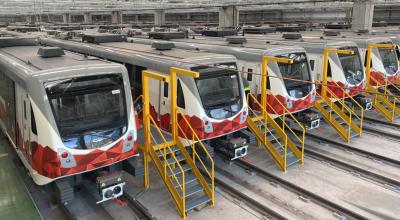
(252, 203)
(390, 124)
(380, 132)
(384, 181)
(361, 152)
(141, 212)
(341, 211)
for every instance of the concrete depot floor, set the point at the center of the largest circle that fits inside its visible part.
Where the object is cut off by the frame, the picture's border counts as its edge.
(15, 200)
(361, 195)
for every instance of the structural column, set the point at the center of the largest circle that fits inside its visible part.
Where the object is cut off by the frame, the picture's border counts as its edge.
(159, 18)
(116, 17)
(87, 18)
(363, 13)
(30, 19)
(66, 18)
(228, 16)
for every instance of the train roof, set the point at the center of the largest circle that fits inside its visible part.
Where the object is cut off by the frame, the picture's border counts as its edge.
(320, 37)
(143, 55)
(175, 53)
(23, 59)
(218, 45)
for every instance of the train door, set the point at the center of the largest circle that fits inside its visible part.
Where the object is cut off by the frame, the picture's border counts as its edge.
(164, 105)
(26, 122)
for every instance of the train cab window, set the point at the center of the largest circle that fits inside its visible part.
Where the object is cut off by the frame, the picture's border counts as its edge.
(269, 83)
(312, 62)
(33, 122)
(398, 53)
(249, 74)
(366, 59)
(166, 88)
(180, 96)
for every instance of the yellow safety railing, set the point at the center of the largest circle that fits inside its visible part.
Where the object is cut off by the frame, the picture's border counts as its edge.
(262, 136)
(341, 112)
(381, 100)
(346, 95)
(196, 157)
(285, 126)
(167, 150)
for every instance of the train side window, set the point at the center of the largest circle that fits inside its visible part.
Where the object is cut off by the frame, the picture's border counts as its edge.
(312, 62)
(398, 53)
(180, 98)
(166, 87)
(268, 83)
(329, 72)
(33, 122)
(25, 110)
(249, 74)
(366, 59)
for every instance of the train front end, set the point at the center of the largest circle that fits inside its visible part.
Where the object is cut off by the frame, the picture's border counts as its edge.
(346, 74)
(217, 107)
(291, 87)
(84, 121)
(384, 62)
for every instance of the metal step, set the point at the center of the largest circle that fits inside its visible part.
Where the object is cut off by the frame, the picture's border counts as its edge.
(353, 134)
(167, 151)
(273, 139)
(188, 179)
(172, 160)
(192, 190)
(191, 204)
(177, 170)
(292, 160)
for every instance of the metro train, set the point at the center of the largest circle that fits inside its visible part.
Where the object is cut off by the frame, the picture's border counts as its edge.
(346, 74)
(65, 114)
(297, 95)
(384, 65)
(214, 103)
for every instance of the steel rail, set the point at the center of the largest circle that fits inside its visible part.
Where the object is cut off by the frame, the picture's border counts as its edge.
(336, 208)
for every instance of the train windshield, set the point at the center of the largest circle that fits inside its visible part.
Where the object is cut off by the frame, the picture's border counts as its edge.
(352, 67)
(219, 90)
(389, 60)
(90, 112)
(296, 75)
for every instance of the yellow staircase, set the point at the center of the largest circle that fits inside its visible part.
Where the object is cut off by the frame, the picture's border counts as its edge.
(339, 115)
(275, 135)
(384, 99)
(178, 168)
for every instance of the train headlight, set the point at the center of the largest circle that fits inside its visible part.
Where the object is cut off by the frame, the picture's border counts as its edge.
(67, 160)
(208, 128)
(289, 103)
(129, 142)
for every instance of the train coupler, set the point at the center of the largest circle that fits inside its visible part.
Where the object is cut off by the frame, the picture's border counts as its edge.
(364, 101)
(110, 186)
(232, 148)
(311, 119)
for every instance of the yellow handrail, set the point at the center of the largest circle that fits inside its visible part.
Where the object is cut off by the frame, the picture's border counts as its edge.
(355, 102)
(182, 184)
(287, 112)
(265, 119)
(196, 139)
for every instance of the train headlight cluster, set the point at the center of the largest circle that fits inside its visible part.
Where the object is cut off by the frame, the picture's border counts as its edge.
(67, 160)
